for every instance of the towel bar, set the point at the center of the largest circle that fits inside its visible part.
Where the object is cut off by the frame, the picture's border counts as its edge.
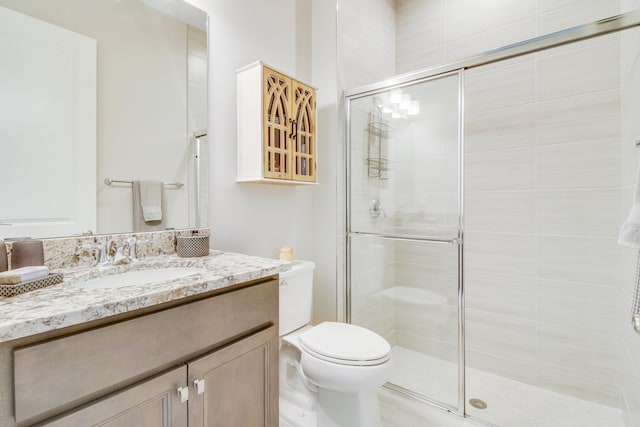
(109, 181)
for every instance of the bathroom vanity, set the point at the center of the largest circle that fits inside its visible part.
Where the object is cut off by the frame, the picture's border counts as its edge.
(200, 350)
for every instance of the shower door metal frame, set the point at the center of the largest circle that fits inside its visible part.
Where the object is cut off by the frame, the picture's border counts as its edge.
(458, 240)
(567, 36)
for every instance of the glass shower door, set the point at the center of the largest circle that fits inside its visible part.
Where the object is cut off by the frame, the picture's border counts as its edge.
(403, 230)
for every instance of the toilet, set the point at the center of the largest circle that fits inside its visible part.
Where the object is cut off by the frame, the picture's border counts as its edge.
(330, 373)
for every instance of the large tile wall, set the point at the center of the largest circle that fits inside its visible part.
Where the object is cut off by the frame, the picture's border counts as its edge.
(630, 109)
(545, 299)
(544, 292)
(435, 32)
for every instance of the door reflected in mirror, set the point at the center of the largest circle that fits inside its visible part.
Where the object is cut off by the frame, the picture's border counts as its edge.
(100, 89)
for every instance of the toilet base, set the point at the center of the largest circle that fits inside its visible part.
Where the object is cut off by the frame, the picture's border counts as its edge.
(339, 409)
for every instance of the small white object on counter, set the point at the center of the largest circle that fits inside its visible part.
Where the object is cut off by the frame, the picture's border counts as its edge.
(23, 274)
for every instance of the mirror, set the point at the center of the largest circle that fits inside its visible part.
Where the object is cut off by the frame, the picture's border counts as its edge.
(101, 93)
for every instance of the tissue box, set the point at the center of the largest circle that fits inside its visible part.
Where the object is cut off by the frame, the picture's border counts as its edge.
(192, 246)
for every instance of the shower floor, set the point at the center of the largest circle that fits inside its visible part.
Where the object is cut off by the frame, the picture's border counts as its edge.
(509, 402)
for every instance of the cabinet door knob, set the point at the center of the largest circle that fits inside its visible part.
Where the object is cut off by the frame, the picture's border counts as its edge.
(183, 392)
(199, 386)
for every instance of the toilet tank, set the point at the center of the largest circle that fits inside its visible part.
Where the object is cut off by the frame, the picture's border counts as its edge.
(296, 290)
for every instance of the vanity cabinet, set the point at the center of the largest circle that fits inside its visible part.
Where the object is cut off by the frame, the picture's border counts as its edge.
(209, 362)
(150, 403)
(276, 127)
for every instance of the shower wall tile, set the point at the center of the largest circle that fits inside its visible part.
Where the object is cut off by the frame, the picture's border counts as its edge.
(546, 6)
(444, 350)
(432, 278)
(413, 32)
(565, 381)
(379, 317)
(631, 378)
(433, 173)
(425, 58)
(558, 75)
(579, 212)
(366, 41)
(501, 211)
(423, 210)
(594, 116)
(593, 164)
(502, 336)
(583, 259)
(502, 170)
(509, 368)
(499, 129)
(595, 369)
(507, 253)
(632, 342)
(491, 39)
(551, 19)
(462, 16)
(565, 304)
(628, 259)
(369, 254)
(502, 294)
(426, 254)
(501, 87)
(428, 321)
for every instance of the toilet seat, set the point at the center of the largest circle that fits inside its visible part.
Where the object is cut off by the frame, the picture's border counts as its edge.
(345, 344)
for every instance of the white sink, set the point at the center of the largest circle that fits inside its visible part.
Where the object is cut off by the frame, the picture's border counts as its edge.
(139, 277)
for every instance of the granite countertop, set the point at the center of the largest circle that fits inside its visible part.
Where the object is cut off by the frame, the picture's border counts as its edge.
(65, 304)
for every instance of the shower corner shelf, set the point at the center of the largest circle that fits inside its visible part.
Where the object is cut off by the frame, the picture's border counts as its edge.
(380, 129)
(377, 167)
(378, 133)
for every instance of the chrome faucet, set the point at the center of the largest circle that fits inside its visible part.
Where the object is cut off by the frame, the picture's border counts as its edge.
(131, 242)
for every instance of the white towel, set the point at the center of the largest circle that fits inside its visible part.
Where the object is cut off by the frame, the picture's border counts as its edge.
(148, 202)
(630, 231)
(23, 274)
(151, 200)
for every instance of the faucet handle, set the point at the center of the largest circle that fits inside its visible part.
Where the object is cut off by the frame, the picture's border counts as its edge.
(102, 257)
(131, 242)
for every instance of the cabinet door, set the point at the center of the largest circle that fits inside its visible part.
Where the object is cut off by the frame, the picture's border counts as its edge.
(304, 133)
(154, 402)
(277, 121)
(238, 384)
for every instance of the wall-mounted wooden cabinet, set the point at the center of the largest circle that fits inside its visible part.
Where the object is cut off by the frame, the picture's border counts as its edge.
(276, 127)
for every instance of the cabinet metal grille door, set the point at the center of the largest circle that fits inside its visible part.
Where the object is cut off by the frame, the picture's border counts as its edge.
(277, 125)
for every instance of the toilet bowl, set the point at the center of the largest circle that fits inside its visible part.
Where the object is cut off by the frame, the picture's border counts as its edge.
(340, 366)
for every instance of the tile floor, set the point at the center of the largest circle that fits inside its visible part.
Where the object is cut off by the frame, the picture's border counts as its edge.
(510, 403)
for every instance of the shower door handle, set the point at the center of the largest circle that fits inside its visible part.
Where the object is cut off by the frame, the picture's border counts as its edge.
(375, 209)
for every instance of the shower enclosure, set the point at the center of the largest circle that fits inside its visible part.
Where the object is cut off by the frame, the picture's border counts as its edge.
(483, 204)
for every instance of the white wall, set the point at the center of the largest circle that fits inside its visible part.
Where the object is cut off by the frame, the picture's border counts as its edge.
(327, 228)
(251, 218)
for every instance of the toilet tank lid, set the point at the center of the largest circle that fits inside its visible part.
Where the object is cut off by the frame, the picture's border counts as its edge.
(299, 266)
